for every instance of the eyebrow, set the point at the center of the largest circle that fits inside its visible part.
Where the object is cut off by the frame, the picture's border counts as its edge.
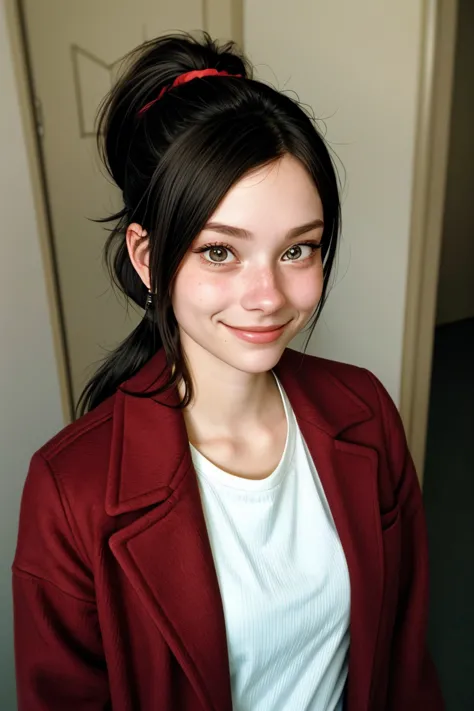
(245, 234)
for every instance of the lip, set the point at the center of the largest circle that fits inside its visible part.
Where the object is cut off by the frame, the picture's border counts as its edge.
(256, 329)
(258, 334)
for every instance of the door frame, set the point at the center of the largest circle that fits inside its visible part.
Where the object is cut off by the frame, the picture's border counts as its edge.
(429, 188)
(40, 198)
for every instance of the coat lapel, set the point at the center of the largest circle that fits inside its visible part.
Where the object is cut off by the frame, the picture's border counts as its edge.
(348, 474)
(326, 411)
(166, 554)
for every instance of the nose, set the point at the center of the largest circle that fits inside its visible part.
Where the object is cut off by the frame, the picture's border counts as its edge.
(263, 292)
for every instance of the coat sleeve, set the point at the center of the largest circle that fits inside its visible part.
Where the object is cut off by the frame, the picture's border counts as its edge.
(413, 682)
(58, 652)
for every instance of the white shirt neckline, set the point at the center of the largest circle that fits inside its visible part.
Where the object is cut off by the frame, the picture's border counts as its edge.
(205, 468)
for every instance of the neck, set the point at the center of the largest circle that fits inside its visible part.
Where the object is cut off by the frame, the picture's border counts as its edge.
(228, 401)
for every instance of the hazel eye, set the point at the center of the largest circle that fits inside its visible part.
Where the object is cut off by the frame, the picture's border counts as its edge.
(296, 251)
(218, 254)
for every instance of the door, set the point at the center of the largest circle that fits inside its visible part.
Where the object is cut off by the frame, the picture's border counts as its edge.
(74, 48)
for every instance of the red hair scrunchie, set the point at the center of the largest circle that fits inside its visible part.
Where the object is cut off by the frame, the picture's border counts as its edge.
(183, 79)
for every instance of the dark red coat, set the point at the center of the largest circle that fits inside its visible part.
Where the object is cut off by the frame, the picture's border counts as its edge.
(116, 598)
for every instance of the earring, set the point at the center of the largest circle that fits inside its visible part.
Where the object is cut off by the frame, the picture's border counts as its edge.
(149, 300)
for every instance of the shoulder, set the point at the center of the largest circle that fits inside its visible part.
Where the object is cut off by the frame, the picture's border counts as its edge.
(67, 478)
(356, 394)
(82, 443)
(338, 375)
(382, 430)
(365, 385)
(70, 470)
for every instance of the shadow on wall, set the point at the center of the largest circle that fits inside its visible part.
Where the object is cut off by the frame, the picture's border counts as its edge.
(449, 501)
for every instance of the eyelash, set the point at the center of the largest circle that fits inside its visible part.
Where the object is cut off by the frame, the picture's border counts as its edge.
(315, 246)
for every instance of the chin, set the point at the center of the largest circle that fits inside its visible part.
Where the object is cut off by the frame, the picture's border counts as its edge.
(257, 359)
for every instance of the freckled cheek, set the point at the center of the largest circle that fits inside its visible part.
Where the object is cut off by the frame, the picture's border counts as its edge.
(198, 293)
(305, 291)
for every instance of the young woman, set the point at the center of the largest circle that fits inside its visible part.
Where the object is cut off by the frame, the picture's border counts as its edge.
(231, 524)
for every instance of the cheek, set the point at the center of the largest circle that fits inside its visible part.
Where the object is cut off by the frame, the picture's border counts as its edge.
(195, 292)
(305, 290)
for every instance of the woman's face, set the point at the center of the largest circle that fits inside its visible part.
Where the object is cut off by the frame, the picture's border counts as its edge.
(249, 267)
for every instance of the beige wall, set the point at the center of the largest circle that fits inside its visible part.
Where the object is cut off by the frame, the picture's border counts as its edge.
(456, 278)
(30, 410)
(357, 64)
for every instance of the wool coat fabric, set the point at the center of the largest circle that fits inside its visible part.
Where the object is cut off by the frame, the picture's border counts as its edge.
(116, 599)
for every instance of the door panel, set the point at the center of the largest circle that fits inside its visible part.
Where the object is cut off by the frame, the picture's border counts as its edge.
(74, 48)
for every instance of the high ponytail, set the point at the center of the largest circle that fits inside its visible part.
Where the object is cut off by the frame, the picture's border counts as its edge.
(174, 163)
(146, 71)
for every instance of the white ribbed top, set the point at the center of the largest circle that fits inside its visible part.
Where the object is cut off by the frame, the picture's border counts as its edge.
(283, 580)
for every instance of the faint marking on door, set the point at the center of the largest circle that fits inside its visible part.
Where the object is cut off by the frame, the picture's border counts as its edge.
(93, 78)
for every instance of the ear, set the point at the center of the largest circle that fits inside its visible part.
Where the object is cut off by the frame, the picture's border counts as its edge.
(138, 246)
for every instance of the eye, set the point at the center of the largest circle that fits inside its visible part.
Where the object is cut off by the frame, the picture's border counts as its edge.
(217, 253)
(297, 250)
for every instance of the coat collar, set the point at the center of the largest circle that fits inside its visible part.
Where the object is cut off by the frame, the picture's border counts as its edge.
(145, 468)
(165, 552)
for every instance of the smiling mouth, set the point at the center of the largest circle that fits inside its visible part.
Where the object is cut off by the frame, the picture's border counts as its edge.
(257, 329)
